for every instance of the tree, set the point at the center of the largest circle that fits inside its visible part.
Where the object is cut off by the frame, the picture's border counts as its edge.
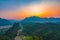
(12, 32)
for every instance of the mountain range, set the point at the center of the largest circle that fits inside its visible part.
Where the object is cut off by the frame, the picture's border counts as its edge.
(46, 28)
(35, 19)
(4, 22)
(32, 19)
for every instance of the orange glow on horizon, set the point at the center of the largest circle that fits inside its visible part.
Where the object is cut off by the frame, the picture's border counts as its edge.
(42, 10)
(51, 12)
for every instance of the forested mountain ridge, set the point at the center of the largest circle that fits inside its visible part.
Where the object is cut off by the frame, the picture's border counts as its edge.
(4, 22)
(35, 19)
(48, 31)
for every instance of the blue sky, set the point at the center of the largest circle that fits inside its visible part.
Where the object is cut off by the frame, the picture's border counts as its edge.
(8, 4)
(12, 8)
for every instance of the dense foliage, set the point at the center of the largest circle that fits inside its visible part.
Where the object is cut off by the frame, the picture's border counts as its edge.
(34, 31)
(48, 31)
(11, 33)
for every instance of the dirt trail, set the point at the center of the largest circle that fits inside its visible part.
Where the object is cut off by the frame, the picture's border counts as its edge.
(19, 31)
(18, 38)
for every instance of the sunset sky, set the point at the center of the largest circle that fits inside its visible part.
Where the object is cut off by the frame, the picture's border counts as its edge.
(20, 9)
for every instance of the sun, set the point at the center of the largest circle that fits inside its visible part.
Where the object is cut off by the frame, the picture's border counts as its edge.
(36, 9)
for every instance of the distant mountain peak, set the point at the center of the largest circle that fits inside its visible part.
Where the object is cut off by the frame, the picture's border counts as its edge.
(36, 19)
(4, 22)
(33, 17)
